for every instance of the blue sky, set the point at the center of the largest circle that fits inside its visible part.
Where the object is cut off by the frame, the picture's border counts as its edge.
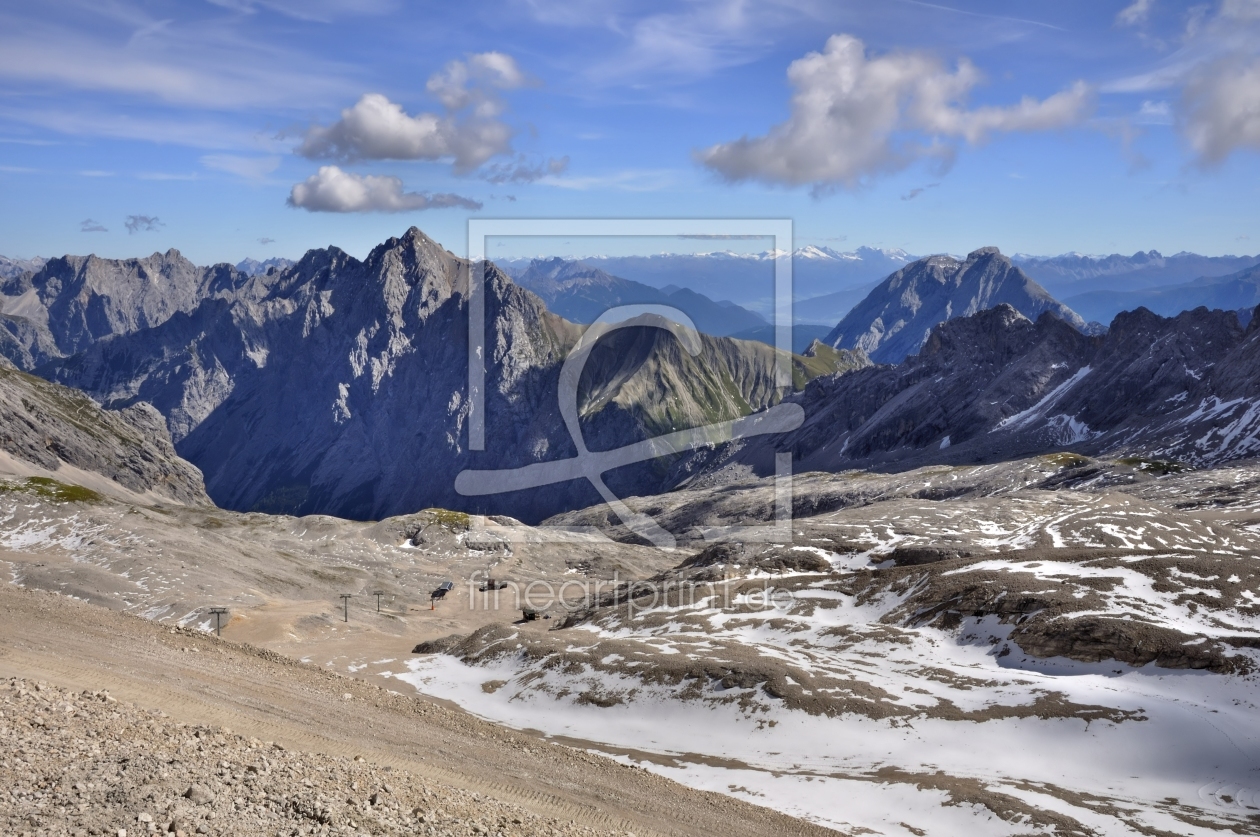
(256, 128)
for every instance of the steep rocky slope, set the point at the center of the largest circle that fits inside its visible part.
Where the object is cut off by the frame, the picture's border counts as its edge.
(896, 317)
(48, 430)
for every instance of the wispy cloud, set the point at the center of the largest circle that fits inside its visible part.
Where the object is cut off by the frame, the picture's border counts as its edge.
(266, 241)
(1135, 14)
(1212, 81)
(914, 193)
(970, 13)
(522, 170)
(89, 225)
(120, 48)
(143, 223)
(318, 11)
(628, 180)
(194, 131)
(164, 175)
(249, 168)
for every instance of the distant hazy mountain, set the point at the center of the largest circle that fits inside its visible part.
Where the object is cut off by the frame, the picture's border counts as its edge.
(253, 267)
(830, 308)
(1236, 292)
(896, 318)
(580, 293)
(803, 335)
(11, 268)
(1072, 274)
(748, 279)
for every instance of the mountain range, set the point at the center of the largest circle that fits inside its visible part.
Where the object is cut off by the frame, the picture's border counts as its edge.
(71, 302)
(1074, 273)
(253, 267)
(336, 385)
(339, 385)
(747, 278)
(1238, 291)
(10, 268)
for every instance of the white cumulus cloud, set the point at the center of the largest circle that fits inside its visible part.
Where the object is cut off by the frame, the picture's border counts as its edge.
(854, 117)
(469, 132)
(333, 190)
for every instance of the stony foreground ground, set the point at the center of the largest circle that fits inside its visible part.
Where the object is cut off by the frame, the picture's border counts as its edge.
(73, 761)
(86, 764)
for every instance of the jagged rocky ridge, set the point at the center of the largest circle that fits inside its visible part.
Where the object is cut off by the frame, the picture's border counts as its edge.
(339, 386)
(69, 303)
(996, 386)
(894, 320)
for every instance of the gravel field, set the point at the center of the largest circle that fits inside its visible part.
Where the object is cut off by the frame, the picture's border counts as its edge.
(83, 763)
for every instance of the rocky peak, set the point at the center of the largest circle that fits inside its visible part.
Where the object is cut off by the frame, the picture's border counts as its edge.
(898, 315)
